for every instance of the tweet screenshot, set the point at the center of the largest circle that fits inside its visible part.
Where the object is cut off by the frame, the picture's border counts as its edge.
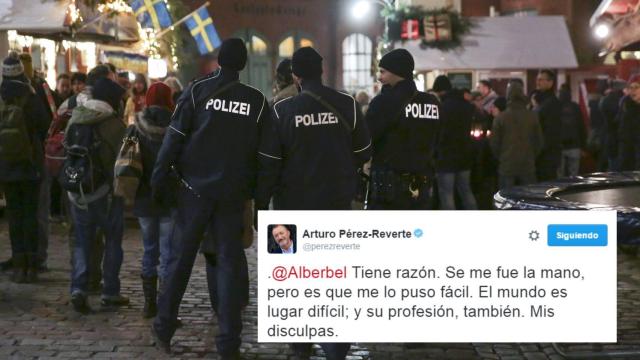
(424, 276)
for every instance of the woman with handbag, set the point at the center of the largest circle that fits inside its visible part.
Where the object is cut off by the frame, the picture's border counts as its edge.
(156, 221)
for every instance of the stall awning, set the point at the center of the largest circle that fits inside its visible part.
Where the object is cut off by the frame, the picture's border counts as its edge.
(503, 43)
(32, 15)
(46, 18)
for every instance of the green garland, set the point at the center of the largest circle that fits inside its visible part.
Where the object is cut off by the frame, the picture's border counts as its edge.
(460, 26)
(186, 50)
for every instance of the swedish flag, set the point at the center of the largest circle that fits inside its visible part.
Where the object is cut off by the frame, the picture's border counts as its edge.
(202, 29)
(152, 13)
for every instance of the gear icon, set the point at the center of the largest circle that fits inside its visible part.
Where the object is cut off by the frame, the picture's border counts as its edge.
(534, 235)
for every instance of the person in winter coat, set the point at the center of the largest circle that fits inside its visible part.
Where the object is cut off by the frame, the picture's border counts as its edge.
(214, 152)
(306, 166)
(454, 150)
(610, 107)
(135, 103)
(516, 139)
(549, 112)
(629, 132)
(574, 135)
(82, 94)
(20, 177)
(44, 93)
(99, 208)
(155, 220)
(404, 140)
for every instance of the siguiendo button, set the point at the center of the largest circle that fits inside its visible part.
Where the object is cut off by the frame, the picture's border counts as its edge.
(577, 235)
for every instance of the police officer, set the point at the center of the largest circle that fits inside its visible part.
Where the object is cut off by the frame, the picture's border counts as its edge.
(212, 144)
(404, 125)
(310, 152)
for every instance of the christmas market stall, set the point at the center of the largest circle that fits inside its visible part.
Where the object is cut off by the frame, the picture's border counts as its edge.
(63, 36)
(480, 48)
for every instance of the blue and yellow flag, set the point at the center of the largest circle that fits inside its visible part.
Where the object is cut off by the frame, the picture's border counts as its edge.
(202, 29)
(152, 13)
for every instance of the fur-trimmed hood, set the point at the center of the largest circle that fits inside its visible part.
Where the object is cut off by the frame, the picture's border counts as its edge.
(152, 122)
(284, 93)
(92, 112)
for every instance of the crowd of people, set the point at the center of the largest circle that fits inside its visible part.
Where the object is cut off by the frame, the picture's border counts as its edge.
(187, 161)
(44, 133)
(521, 139)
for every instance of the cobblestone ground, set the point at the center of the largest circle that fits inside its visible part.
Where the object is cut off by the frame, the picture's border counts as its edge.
(36, 321)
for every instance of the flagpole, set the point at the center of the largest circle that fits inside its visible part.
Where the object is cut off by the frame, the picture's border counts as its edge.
(172, 27)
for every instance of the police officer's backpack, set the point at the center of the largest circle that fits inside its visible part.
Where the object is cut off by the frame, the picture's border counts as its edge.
(82, 172)
(15, 142)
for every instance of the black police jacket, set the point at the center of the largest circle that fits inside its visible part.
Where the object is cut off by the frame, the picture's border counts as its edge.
(309, 154)
(213, 138)
(404, 125)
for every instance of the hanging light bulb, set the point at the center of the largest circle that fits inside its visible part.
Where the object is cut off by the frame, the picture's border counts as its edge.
(115, 6)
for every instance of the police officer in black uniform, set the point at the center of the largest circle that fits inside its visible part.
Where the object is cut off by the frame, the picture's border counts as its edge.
(212, 146)
(310, 152)
(404, 125)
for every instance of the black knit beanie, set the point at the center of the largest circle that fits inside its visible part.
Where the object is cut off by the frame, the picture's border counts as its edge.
(233, 54)
(399, 62)
(306, 63)
(442, 83)
(12, 67)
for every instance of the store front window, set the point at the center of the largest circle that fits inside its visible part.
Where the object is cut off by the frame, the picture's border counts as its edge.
(292, 42)
(257, 72)
(356, 63)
